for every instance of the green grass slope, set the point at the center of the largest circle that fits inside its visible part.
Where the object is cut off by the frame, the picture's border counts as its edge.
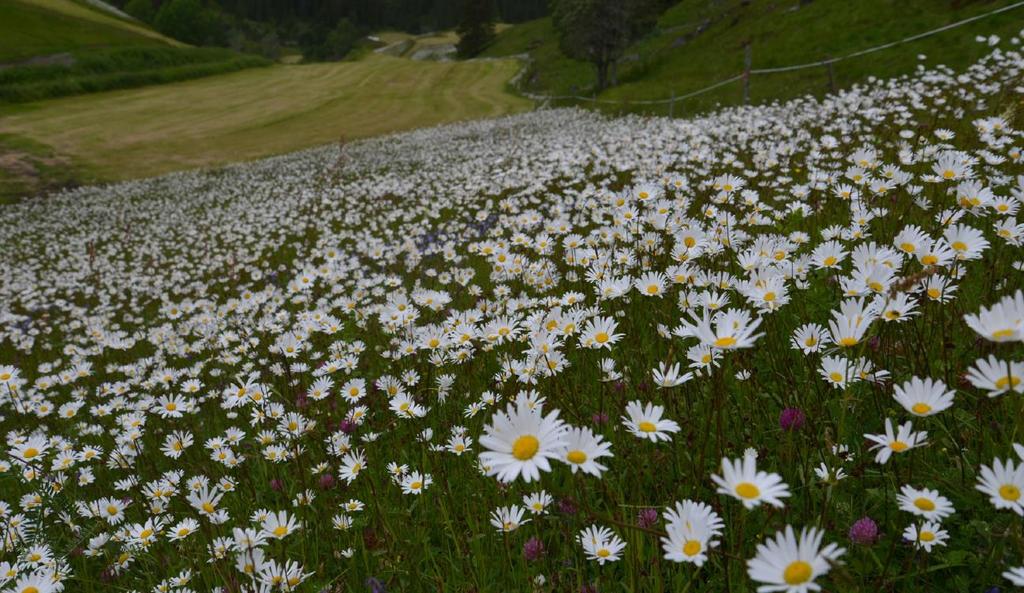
(31, 28)
(697, 43)
(55, 48)
(95, 70)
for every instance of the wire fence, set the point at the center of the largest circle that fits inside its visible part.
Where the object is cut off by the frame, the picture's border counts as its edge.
(749, 72)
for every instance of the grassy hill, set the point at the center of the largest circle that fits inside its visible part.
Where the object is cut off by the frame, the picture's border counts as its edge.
(697, 43)
(54, 48)
(247, 115)
(31, 28)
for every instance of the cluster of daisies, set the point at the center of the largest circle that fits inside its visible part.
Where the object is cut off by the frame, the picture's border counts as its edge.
(306, 371)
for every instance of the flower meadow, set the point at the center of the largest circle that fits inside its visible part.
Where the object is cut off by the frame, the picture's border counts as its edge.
(773, 348)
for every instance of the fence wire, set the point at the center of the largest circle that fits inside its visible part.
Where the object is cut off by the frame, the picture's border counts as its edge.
(795, 67)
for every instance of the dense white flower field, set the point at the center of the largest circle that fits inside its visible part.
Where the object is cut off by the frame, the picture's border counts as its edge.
(775, 348)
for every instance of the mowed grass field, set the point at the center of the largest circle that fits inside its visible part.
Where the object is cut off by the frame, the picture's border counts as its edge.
(260, 112)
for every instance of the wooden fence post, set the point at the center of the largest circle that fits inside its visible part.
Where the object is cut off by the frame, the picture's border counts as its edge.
(747, 59)
(831, 75)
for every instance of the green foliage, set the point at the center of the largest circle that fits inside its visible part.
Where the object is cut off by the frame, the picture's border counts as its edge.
(190, 21)
(335, 44)
(118, 68)
(476, 31)
(141, 9)
(413, 16)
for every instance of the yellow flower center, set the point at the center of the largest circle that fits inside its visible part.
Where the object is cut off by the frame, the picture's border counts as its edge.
(281, 531)
(836, 377)
(797, 572)
(646, 426)
(145, 533)
(926, 536)
(525, 447)
(209, 508)
(30, 589)
(576, 457)
(604, 553)
(847, 342)
(959, 246)
(924, 504)
(898, 446)
(111, 510)
(747, 490)
(1003, 333)
(691, 547)
(416, 485)
(1011, 380)
(921, 408)
(1009, 492)
(908, 247)
(829, 261)
(769, 296)
(30, 453)
(726, 342)
(652, 289)
(929, 260)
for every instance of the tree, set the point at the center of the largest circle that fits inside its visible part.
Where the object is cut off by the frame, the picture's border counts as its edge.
(599, 31)
(320, 44)
(189, 21)
(141, 9)
(476, 29)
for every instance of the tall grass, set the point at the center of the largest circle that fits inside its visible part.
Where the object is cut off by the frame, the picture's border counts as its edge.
(119, 68)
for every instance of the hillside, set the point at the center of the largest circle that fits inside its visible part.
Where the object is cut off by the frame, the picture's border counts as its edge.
(33, 28)
(696, 44)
